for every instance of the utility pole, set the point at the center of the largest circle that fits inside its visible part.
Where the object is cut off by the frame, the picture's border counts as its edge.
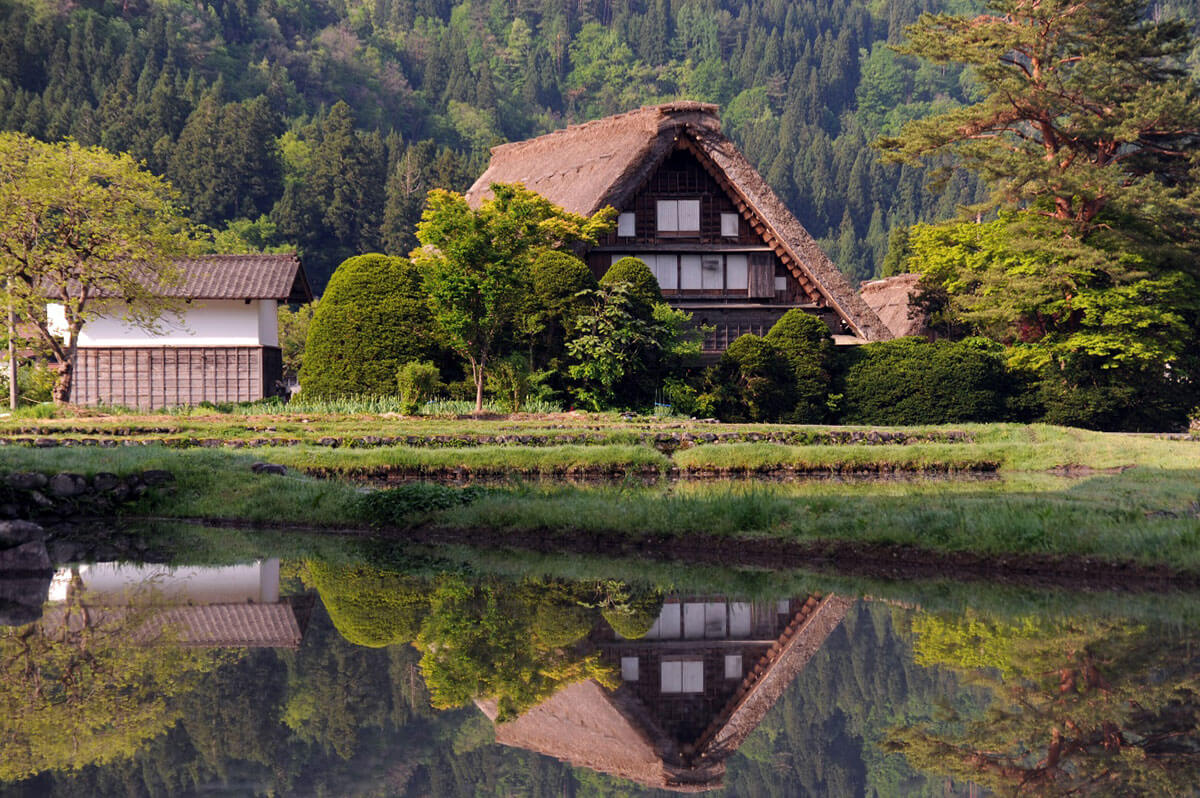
(12, 355)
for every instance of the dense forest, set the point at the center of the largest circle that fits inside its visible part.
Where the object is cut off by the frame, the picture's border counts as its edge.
(322, 124)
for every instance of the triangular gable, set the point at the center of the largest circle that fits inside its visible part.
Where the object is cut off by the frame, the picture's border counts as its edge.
(585, 167)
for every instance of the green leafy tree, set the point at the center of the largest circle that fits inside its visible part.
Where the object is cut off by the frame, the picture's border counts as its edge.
(78, 226)
(371, 320)
(293, 335)
(1085, 129)
(475, 263)
(1084, 109)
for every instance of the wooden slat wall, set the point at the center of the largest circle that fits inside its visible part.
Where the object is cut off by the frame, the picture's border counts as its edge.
(151, 377)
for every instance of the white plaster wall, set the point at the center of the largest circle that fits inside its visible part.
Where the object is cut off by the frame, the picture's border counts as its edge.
(214, 322)
(116, 583)
(268, 322)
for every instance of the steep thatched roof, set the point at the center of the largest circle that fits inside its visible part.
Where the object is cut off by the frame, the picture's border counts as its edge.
(583, 168)
(891, 299)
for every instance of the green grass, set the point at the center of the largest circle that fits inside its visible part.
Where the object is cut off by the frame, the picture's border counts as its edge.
(547, 460)
(1149, 513)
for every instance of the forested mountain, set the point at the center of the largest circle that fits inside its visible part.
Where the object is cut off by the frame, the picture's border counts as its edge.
(322, 123)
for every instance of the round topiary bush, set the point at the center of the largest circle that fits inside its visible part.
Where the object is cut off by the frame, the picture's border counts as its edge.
(370, 607)
(637, 275)
(633, 619)
(914, 381)
(805, 342)
(371, 320)
(556, 279)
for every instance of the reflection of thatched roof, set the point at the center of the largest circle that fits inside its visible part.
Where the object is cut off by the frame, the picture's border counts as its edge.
(615, 733)
(610, 732)
(765, 684)
(891, 299)
(585, 167)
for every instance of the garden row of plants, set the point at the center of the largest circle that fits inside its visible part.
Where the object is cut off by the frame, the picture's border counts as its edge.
(615, 344)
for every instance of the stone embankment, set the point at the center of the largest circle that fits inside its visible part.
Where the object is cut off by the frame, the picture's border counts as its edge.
(67, 497)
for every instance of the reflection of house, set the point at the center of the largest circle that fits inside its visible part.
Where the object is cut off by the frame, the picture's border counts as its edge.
(719, 240)
(693, 689)
(236, 605)
(223, 347)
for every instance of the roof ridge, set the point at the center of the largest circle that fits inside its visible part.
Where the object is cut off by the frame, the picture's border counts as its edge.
(663, 109)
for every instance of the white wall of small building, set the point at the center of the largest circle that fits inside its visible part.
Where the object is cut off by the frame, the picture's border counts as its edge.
(210, 322)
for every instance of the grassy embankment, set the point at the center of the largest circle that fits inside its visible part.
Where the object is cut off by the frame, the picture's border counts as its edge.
(1147, 508)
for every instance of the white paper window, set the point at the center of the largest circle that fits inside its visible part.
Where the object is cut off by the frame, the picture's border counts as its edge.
(739, 619)
(667, 625)
(784, 607)
(693, 677)
(714, 620)
(616, 258)
(711, 273)
(729, 225)
(689, 272)
(672, 677)
(629, 669)
(693, 621)
(676, 216)
(733, 666)
(625, 225)
(780, 283)
(668, 216)
(689, 215)
(664, 272)
(736, 273)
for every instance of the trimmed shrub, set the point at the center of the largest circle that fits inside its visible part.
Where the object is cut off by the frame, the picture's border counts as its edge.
(643, 287)
(914, 381)
(557, 278)
(753, 381)
(805, 343)
(633, 619)
(371, 320)
(370, 607)
(417, 381)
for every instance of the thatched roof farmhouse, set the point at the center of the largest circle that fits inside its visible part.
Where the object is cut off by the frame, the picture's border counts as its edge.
(721, 243)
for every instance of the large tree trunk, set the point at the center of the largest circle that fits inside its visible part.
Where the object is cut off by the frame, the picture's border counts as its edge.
(62, 385)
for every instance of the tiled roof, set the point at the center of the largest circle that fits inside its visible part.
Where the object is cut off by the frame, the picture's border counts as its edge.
(240, 277)
(278, 277)
(583, 168)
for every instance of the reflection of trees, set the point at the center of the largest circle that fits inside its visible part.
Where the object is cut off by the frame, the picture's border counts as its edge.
(371, 607)
(87, 685)
(515, 643)
(504, 642)
(1077, 707)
